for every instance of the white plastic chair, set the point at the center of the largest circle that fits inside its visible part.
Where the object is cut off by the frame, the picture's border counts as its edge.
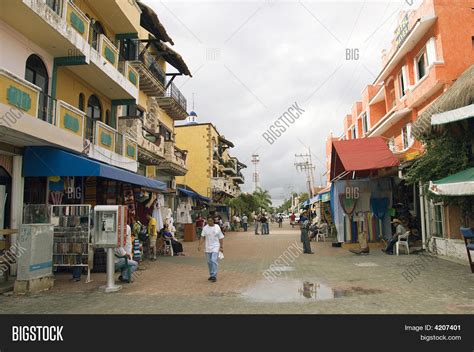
(168, 248)
(403, 241)
(322, 232)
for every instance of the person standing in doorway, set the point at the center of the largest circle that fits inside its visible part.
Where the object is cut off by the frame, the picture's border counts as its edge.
(214, 243)
(304, 226)
(245, 222)
(153, 235)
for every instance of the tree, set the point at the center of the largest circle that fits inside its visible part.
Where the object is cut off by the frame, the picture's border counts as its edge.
(263, 198)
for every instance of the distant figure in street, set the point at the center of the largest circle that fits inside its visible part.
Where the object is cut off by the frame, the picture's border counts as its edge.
(245, 222)
(400, 229)
(264, 222)
(280, 221)
(153, 235)
(292, 219)
(304, 226)
(256, 222)
(200, 222)
(214, 242)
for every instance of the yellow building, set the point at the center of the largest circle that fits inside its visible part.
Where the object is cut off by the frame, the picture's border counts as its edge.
(213, 172)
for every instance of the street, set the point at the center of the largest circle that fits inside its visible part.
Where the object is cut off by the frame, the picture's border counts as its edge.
(331, 281)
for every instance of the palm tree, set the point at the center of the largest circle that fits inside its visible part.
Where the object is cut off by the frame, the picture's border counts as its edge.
(263, 198)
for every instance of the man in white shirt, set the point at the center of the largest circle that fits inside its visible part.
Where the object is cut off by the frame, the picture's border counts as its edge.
(214, 242)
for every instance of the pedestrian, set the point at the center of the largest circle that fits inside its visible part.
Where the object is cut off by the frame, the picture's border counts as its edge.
(245, 222)
(200, 222)
(304, 226)
(264, 222)
(153, 235)
(292, 220)
(256, 222)
(214, 243)
(280, 221)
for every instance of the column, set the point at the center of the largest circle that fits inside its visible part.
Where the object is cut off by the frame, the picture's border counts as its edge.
(18, 186)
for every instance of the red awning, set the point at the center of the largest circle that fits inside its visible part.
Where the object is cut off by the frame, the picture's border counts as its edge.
(361, 155)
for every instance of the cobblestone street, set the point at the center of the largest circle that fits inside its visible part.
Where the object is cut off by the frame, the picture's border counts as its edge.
(336, 282)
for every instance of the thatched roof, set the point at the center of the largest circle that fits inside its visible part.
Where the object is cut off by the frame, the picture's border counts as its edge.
(460, 94)
(149, 20)
(172, 57)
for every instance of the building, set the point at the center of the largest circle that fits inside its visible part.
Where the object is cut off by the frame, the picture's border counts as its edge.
(87, 104)
(213, 172)
(431, 47)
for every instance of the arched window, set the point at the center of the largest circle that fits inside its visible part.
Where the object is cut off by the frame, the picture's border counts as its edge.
(94, 113)
(81, 104)
(37, 74)
(97, 30)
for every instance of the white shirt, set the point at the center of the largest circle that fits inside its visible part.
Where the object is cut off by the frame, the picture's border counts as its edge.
(212, 235)
(128, 244)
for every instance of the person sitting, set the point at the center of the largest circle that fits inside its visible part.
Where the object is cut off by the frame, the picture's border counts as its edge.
(166, 235)
(399, 230)
(125, 264)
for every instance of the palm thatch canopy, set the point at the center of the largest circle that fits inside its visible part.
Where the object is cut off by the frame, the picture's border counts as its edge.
(172, 57)
(460, 94)
(149, 20)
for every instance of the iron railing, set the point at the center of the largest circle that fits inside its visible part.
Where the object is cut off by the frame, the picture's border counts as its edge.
(176, 94)
(47, 108)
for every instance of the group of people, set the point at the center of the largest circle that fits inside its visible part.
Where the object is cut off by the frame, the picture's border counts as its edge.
(261, 221)
(141, 239)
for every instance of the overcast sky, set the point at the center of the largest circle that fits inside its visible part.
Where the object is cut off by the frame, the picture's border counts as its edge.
(251, 60)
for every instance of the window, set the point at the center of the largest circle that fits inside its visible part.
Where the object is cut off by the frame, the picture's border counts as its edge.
(135, 111)
(354, 132)
(107, 118)
(403, 81)
(81, 102)
(365, 123)
(94, 112)
(437, 219)
(128, 49)
(97, 30)
(391, 144)
(421, 65)
(36, 73)
(407, 138)
(167, 135)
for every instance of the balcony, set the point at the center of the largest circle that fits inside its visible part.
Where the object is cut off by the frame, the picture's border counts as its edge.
(239, 178)
(229, 168)
(174, 103)
(58, 27)
(150, 145)
(174, 163)
(152, 77)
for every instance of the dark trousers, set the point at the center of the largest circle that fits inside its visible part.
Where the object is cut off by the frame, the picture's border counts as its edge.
(391, 243)
(245, 225)
(305, 240)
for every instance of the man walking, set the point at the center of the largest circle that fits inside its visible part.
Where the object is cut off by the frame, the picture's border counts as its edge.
(304, 225)
(153, 235)
(292, 219)
(214, 242)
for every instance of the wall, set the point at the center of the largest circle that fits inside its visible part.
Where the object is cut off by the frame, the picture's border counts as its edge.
(195, 139)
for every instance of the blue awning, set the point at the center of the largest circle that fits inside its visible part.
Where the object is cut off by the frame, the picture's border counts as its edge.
(48, 161)
(194, 195)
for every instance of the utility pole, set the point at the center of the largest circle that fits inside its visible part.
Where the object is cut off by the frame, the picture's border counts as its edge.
(255, 176)
(304, 162)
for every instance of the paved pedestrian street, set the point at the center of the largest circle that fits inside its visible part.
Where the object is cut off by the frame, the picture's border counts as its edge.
(330, 281)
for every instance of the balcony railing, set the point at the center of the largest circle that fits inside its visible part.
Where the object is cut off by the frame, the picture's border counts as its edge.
(176, 94)
(47, 108)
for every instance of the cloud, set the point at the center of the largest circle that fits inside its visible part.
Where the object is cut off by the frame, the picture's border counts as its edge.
(252, 60)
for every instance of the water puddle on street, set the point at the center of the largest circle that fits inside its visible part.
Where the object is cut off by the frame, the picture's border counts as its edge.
(291, 290)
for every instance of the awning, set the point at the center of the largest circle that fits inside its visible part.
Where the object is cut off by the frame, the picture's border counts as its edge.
(360, 155)
(460, 184)
(48, 161)
(460, 114)
(194, 195)
(172, 57)
(460, 94)
(149, 20)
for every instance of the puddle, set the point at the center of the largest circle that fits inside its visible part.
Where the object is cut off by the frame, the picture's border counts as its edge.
(288, 290)
(368, 264)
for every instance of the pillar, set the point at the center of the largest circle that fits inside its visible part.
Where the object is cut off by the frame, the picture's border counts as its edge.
(18, 185)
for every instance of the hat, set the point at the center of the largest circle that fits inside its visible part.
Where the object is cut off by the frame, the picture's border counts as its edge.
(395, 221)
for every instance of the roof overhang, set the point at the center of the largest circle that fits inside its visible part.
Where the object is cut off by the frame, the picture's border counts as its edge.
(459, 184)
(460, 114)
(421, 27)
(390, 119)
(378, 97)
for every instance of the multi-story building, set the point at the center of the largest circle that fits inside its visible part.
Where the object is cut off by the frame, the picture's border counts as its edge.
(87, 103)
(432, 46)
(213, 172)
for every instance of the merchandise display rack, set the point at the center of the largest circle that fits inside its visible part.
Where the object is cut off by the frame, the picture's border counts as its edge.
(72, 245)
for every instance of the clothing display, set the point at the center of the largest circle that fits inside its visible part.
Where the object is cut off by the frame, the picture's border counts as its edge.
(183, 213)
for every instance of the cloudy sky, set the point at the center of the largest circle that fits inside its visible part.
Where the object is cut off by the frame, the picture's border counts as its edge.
(251, 60)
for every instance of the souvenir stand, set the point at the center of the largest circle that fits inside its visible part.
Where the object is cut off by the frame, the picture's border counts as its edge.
(72, 245)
